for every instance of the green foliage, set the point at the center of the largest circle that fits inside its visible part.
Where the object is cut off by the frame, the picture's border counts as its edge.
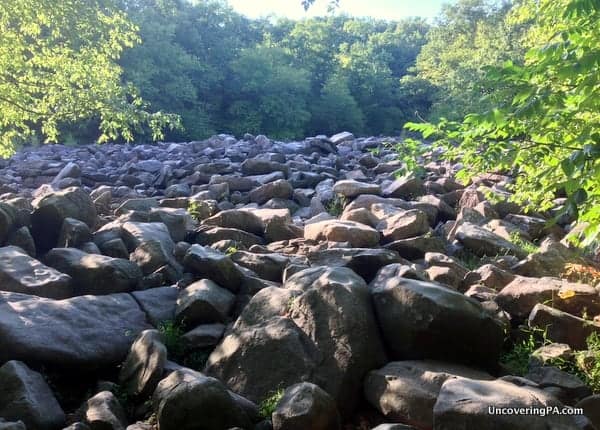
(469, 35)
(195, 210)
(173, 338)
(268, 405)
(336, 109)
(268, 94)
(335, 206)
(178, 350)
(543, 127)
(591, 371)
(410, 152)
(525, 245)
(516, 360)
(584, 364)
(58, 65)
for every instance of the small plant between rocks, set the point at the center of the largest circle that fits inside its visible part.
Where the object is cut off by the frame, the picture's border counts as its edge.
(335, 206)
(525, 245)
(268, 405)
(584, 364)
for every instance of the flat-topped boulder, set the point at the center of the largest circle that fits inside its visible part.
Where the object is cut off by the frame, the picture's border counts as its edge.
(82, 333)
(93, 273)
(353, 188)
(19, 273)
(358, 235)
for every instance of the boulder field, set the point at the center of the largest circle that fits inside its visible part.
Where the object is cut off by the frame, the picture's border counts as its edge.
(255, 284)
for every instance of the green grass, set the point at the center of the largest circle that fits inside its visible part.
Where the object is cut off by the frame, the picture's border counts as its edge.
(468, 260)
(516, 360)
(268, 405)
(525, 245)
(176, 347)
(173, 338)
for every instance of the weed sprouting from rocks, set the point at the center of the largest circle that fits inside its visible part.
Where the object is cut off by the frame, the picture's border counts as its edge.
(526, 246)
(335, 206)
(268, 405)
(173, 338)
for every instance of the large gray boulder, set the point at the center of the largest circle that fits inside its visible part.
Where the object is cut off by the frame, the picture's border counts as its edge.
(238, 219)
(25, 396)
(406, 391)
(483, 242)
(203, 302)
(104, 412)
(19, 273)
(424, 320)
(136, 233)
(351, 188)
(306, 406)
(159, 304)
(239, 360)
(50, 210)
(404, 225)
(520, 296)
(358, 235)
(93, 273)
(348, 338)
(144, 365)
(474, 404)
(213, 265)
(82, 333)
(187, 400)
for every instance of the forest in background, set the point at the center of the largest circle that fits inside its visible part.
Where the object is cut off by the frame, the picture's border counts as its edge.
(502, 86)
(219, 71)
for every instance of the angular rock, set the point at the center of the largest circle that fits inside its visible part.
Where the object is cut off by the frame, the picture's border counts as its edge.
(158, 303)
(239, 360)
(185, 398)
(406, 391)
(136, 233)
(464, 403)
(94, 274)
(19, 273)
(203, 302)
(406, 187)
(213, 265)
(81, 333)
(347, 339)
(306, 406)
(267, 266)
(281, 189)
(238, 219)
(143, 368)
(404, 225)
(423, 320)
(50, 211)
(104, 412)
(351, 188)
(358, 235)
(520, 296)
(483, 242)
(562, 327)
(25, 396)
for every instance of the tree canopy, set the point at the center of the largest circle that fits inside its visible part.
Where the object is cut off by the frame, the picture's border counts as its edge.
(543, 121)
(58, 66)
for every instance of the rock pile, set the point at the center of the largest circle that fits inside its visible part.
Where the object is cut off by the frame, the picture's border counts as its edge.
(255, 284)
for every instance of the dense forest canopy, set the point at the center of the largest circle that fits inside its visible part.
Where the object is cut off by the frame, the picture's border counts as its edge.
(219, 71)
